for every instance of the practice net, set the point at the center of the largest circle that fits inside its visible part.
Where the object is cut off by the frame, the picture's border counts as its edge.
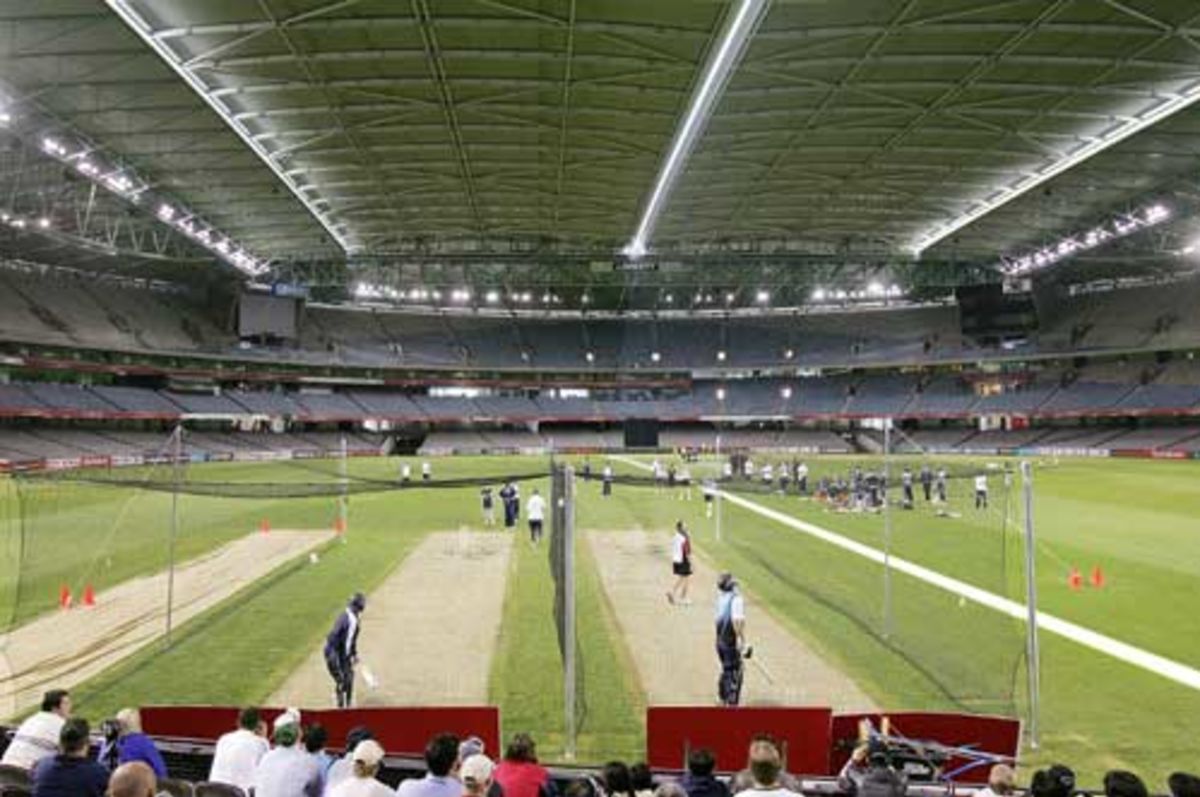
(916, 642)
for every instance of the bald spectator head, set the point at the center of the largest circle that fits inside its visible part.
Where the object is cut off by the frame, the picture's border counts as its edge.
(134, 779)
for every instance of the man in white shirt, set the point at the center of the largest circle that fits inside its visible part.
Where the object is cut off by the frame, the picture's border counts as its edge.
(238, 752)
(426, 471)
(287, 770)
(681, 565)
(536, 512)
(981, 491)
(37, 736)
(366, 758)
(802, 478)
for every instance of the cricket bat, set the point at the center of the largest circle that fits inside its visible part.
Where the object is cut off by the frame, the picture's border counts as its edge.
(369, 677)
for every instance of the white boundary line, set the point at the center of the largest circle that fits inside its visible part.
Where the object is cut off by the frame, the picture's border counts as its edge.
(1151, 662)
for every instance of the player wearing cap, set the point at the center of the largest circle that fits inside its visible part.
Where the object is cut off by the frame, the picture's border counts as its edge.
(731, 639)
(681, 565)
(341, 649)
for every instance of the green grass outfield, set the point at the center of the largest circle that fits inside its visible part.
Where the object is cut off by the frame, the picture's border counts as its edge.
(1138, 520)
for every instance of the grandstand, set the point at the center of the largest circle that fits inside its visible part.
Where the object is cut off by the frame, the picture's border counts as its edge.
(257, 260)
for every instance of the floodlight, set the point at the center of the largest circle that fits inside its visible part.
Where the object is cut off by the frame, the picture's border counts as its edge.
(44, 222)
(818, 295)
(720, 67)
(786, 392)
(492, 297)
(590, 357)
(721, 355)
(788, 354)
(720, 394)
(762, 297)
(655, 356)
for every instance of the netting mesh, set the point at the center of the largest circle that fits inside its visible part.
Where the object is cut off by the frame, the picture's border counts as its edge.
(929, 647)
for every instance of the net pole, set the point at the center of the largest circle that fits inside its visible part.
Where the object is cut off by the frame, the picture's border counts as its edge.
(569, 663)
(176, 462)
(1033, 664)
(344, 479)
(887, 529)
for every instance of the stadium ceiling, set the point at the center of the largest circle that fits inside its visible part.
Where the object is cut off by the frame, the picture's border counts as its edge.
(309, 132)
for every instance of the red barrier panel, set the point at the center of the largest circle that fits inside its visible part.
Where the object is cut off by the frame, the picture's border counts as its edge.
(997, 735)
(672, 731)
(401, 731)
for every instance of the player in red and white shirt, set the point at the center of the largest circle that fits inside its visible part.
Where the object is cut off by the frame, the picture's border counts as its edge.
(681, 565)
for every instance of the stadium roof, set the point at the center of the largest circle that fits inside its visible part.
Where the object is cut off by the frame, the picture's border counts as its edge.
(312, 131)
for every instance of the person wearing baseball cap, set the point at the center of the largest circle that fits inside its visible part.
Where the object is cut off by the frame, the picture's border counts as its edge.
(473, 745)
(367, 759)
(476, 775)
(288, 770)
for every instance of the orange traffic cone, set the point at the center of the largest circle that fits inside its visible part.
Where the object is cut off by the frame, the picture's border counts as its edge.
(1075, 580)
(89, 596)
(1097, 577)
(264, 526)
(64, 597)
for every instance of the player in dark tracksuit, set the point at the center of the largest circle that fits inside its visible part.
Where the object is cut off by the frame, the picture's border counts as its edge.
(341, 649)
(927, 482)
(730, 621)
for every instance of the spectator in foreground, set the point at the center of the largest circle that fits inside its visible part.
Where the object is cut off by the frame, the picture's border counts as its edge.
(366, 759)
(70, 773)
(288, 770)
(473, 745)
(343, 768)
(238, 752)
(1002, 782)
(38, 736)
(854, 770)
(1119, 783)
(881, 780)
(133, 745)
(476, 773)
(641, 779)
(441, 759)
(315, 739)
(699, 780)
(1057, 781)
(135, 779)
(765, 771)
(615, 778)
(520, 774)
(763, 747)
(1183, 784)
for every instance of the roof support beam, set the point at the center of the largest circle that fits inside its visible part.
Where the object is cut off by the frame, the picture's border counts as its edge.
(720, 67)
(129, 15)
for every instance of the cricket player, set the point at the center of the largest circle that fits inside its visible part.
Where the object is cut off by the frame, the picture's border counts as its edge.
(606, 481)
(341, 649)
(727, 470)
(710, 496)
(426, 471)
(507, 495)
(802, 478)
(906, 481)
(981, 491)
(406, 473)
(489, 506)
(681, 565)
(927, 481)
(731, 639)
(941, 485)
(536, 511)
